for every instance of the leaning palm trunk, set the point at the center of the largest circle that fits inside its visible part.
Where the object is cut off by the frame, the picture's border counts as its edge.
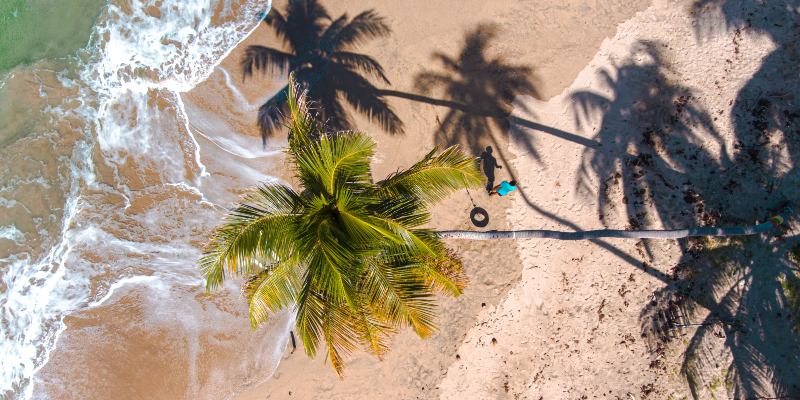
(611, 233)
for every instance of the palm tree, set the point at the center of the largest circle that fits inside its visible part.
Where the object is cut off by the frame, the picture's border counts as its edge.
(350, 256)
(322, 59)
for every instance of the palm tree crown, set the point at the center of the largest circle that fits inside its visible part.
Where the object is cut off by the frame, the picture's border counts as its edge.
(322, 59)
(349, 255)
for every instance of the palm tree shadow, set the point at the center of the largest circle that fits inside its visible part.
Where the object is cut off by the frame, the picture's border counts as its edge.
(479, 92)
(745, 332)
(651, 130)
(766, 353)
(484, 87)
(768, 103)
(655, 166)
(321, 54)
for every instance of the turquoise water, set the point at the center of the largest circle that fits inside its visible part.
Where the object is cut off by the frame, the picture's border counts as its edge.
(32, 30)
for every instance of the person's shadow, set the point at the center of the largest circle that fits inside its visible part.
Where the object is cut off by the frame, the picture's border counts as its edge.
(489, 164)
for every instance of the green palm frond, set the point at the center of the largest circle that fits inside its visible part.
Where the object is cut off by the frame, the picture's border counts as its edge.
(270, 291)
(350, 256)
(341, 335)
(332, 276)
(257, 231)
(417, 241)
(406, 210)
(364, 229)
(309, 317)
(335, 161)
(399, 295)
(374, 332)
(303, 128)
(445, 273)
(434, 177)
(250, 286)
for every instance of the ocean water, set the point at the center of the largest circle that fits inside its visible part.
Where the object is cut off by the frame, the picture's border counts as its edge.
(110, 180)
(33, 30)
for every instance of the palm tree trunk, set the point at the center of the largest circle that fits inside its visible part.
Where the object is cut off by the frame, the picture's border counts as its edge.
(654, 234)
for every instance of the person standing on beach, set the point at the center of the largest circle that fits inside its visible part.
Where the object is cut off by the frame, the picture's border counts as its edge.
(503, 188)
